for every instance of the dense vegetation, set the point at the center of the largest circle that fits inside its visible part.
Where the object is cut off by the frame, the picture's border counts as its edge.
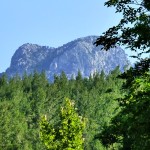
(130, 128)
(23, 101)
(68, 133)
(115, 107)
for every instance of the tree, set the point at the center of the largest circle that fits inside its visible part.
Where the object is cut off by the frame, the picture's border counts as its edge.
(67, 134)
(130, 126)
(136, 37)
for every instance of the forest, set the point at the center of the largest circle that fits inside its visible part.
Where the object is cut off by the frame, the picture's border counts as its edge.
(99, 99)
(102, 112)
(23, 101)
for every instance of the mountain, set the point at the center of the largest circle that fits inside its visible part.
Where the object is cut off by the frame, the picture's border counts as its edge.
(80, 54)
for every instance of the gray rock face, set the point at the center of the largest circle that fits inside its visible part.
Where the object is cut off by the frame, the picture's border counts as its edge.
(77, 55)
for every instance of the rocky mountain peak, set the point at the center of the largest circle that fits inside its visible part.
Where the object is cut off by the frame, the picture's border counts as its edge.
(80, 54)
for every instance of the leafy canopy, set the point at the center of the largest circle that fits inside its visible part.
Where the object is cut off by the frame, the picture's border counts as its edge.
(130, 127)
(67, 135)
(136, 13)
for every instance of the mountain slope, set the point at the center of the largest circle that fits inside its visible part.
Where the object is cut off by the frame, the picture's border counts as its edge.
(79, 54)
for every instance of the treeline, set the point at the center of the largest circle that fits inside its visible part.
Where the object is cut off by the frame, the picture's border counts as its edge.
(24, 100)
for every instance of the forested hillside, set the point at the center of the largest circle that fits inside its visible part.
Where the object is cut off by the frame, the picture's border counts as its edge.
(23, 101)
(106, 111)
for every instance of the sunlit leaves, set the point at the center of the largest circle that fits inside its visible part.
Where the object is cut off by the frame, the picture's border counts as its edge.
(68, 134)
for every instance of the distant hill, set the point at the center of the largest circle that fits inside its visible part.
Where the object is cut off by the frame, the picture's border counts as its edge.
(76, 55)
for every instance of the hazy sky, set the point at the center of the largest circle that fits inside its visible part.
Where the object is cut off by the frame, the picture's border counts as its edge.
(50, 23)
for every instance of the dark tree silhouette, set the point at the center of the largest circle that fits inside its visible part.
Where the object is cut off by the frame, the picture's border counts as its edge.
(137, 37)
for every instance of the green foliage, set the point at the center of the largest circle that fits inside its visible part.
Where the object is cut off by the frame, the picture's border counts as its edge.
(119, 124)
(24, 100)
(131, 126)
(129, 129)
(68, 134)
(137, 36)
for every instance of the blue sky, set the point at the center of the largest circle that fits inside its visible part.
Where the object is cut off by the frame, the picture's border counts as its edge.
(50, 23)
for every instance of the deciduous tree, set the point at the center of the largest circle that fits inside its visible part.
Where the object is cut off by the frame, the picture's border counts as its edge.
(68, 134)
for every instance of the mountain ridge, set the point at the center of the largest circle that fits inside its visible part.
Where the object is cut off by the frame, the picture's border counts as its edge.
(79, 54)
